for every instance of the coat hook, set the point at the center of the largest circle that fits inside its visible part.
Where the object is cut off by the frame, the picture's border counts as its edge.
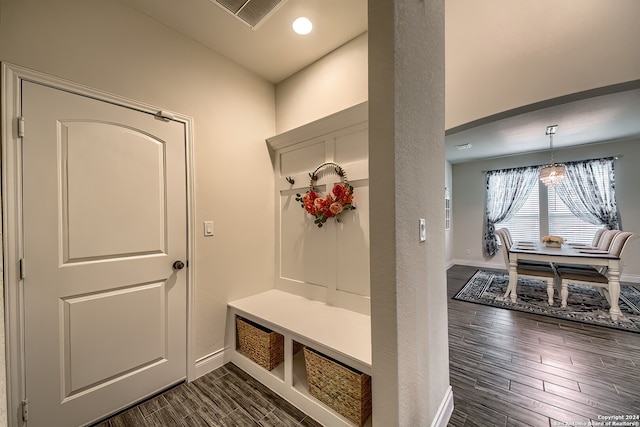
(290, 180)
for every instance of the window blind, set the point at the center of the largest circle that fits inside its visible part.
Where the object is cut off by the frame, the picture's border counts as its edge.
(525, 224)
(564, 223)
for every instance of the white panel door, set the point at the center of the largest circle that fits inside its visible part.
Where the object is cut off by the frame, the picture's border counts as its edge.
(104, 215)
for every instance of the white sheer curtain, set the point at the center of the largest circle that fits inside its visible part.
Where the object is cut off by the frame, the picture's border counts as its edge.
(507, 190)
(589, 191)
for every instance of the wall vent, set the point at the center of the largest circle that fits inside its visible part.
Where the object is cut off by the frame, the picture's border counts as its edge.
(251, 12)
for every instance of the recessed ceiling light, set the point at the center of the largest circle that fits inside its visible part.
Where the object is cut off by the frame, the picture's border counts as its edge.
(463, 146)
(302, 26)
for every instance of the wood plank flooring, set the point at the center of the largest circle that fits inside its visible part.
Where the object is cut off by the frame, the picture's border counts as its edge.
(510, 368)
(507, 368)
(226, 397)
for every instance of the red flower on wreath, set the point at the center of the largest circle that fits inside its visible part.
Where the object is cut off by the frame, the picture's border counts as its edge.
(339, 190)
(308, 201)
(329, 206)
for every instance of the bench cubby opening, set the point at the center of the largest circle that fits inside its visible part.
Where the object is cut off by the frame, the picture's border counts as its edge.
(338, 334)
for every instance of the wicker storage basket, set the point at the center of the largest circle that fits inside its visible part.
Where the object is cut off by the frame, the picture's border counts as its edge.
(259, 344)
(343, 389)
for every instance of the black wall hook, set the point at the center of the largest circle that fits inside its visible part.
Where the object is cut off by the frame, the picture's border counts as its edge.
(290, 180)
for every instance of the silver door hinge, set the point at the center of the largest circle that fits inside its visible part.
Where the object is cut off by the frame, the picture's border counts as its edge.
(22, 269)
(25, 409)
(20, 127)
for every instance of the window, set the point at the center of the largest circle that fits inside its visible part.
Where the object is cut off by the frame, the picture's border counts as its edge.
(564, 223)
(586, 197)
(525, 224)
(535, 219)
(507, 192)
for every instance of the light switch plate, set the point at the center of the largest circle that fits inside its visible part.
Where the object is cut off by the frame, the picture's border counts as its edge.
(423, 229)
(208, 228)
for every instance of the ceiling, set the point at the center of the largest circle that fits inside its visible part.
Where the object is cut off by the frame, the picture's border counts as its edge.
(273, 51)
(593, 119)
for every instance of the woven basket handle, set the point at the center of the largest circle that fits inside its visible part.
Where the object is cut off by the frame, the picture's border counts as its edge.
(338, 169)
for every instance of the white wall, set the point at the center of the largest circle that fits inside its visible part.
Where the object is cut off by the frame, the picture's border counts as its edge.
(303, 263)
(469, 193)
(335, 82)
(111, 47)
(582, 45)
(407, 174)
(504, 54)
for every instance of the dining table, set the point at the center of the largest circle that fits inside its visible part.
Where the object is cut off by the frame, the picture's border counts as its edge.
(565, 254)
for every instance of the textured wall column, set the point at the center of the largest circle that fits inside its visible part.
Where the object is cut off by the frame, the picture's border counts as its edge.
(406, 144)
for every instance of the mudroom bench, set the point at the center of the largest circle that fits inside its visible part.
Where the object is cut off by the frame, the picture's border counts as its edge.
(341, 335)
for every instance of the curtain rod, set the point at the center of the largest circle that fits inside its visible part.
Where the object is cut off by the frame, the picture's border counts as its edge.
(616, 157)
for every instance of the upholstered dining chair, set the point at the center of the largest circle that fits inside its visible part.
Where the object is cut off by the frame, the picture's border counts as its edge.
(597, 236)
(592, 276)
(507, 234)
(505, 237)
(530, 269)
(594, 242)
(606, 239)
(616, 246)
(602, 240)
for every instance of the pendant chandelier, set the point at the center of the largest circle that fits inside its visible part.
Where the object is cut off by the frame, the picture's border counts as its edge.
(553, 173)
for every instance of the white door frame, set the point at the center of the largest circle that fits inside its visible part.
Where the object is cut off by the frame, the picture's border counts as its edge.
(12, 244)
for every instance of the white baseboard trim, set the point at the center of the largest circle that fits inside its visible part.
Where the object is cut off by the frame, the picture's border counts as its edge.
(480, 264)
(445, 410)
(210, 362)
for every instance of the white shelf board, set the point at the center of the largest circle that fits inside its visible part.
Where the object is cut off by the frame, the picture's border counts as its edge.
(345, 332)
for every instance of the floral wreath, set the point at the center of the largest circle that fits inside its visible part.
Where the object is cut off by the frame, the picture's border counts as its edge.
(331, 205)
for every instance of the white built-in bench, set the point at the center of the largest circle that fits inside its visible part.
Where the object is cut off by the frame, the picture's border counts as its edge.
(336, 332)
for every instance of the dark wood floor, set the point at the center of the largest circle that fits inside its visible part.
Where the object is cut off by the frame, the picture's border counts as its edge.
(226, 397)
(512, 369)
(507, 369)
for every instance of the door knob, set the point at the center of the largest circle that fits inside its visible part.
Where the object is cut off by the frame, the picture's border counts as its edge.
(178, 265)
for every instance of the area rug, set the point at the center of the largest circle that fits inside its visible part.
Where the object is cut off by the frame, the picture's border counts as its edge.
(585, 304)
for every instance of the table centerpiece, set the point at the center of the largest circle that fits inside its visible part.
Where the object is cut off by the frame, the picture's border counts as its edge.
(552, 241)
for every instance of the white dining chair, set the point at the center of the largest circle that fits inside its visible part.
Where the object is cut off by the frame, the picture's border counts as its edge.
(530, 269)
(597, 236)
(594, 242)
(606, 239)
(505, 237)
(592, 276)
(602, 240)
